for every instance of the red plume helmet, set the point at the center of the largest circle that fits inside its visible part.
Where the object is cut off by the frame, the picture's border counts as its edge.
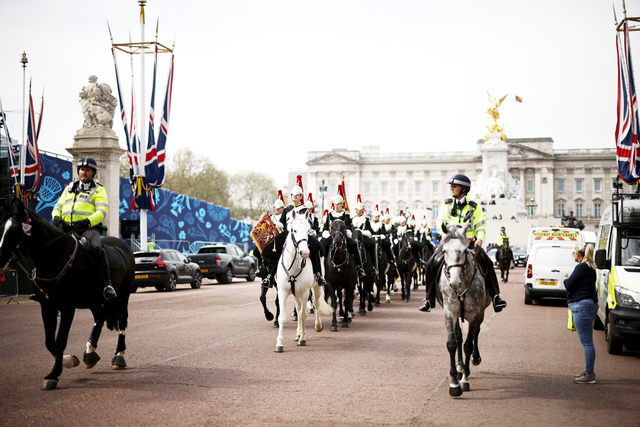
(387, 211)
(413, 217)
(310, 198)
(280, 196)
(401, 213)
(333, 206)
(299, 183)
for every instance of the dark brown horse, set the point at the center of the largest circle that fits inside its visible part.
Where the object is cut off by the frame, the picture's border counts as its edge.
(340, 272)
(504, 258)
(66, 277)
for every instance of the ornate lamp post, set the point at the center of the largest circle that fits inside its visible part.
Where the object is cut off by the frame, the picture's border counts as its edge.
(323, 192)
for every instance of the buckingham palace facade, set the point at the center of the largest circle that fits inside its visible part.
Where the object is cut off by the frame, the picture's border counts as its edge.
(553, 182)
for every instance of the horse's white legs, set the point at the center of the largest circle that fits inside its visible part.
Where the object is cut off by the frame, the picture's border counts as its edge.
(318, 295)
(301, 336)
(282, 299)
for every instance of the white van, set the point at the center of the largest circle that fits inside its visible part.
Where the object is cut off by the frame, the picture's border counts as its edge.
(617, 260)
(554, 234)
(548, 264)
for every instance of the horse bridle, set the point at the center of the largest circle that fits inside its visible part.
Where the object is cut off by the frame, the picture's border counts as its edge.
(292, 277)
(409, 251)
(333, 250)
(447, 273)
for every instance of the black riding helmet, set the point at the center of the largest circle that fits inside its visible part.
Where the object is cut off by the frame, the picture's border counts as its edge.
(88, 162)
(461, 180)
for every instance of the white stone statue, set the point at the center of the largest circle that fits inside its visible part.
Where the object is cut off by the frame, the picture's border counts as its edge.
(494, 186)
(98, 105)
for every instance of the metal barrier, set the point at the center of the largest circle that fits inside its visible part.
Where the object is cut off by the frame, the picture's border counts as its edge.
(9, 285)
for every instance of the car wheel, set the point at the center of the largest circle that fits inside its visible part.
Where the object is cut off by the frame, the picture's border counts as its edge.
(597, 323)
(197, 280)
(159, 287)
(527, 298)
(252, 274)
(226, 277)
(171, 284)
(614, 345)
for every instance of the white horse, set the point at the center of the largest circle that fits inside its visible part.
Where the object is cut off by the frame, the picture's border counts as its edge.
(462, 294)
(295, 277)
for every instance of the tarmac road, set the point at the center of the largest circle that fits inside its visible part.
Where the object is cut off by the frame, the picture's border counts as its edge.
(206, 357)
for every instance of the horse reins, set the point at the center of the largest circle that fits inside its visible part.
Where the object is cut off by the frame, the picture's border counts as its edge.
(292, 278)
(460, 296)
(333, 250)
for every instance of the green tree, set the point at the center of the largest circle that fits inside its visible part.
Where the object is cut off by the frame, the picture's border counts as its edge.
(197, 176)
(250, 193)
(124, 166)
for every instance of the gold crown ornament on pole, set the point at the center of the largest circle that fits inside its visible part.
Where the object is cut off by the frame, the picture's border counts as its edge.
(495, 115)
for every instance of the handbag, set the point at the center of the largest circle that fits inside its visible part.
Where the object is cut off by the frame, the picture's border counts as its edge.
(570, 323)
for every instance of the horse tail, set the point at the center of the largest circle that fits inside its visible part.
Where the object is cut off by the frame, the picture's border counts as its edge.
(321, 304)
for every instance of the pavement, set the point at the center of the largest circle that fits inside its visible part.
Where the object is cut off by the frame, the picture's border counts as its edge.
(205, 357)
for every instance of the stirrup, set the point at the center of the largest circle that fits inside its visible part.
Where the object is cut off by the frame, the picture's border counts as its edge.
(361, 272)
(320, 280)
(109, 292)
(498, 303)
(425, 305)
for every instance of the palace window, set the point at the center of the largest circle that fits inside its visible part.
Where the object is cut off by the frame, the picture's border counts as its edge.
(367, 188)
(561, 209)
(384, 188)
(597, 210)
(597, 184)
(435, 209)
(418, 187)
(529, 185)
(401, 187)
(578, 210)
(561, 185)
(578, 185)
(435, 187)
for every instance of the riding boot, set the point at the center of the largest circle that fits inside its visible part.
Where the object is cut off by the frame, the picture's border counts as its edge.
(491, 282)
(432, 268)
(317, 271)
(109, 292)
(266, 282)
(392, 256)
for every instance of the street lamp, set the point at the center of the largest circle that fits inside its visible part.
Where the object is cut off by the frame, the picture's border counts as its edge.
(531, 207)
(323, 193)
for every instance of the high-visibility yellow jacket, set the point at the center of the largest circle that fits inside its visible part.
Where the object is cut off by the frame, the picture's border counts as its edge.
(476, 218)
(501, 238)
(91, 204)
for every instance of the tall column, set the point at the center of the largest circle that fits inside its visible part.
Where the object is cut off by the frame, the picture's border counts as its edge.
(537, 187)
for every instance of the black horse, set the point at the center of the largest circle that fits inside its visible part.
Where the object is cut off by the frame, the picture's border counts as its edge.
(383, 268)
(504, 257)
(263, 271)
(365, 284)
(406, 264)
(340, 272)
(66, 277)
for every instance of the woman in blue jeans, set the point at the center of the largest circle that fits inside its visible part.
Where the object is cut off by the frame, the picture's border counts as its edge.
(581, 286)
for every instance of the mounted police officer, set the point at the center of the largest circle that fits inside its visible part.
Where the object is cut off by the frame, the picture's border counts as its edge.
(502, 236)
(459, 210)
(340, 213)
(82, 208)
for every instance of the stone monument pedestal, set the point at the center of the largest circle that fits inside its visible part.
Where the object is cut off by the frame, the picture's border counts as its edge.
(101, 144)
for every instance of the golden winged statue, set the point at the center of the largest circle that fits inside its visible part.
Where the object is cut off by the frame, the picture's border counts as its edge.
(495, 115)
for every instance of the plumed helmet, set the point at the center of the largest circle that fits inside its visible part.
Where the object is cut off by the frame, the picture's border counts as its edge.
(310, 204)
(278, 204)
(88, 162)
(376, 212)
(461, 180)
(295, 190)
(359, 205)
(281, 197)
(337, 199)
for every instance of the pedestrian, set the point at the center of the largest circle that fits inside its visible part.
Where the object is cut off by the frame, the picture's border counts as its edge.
(581, 297)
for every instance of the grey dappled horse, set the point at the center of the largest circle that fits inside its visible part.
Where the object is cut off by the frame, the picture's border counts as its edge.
(463, 296)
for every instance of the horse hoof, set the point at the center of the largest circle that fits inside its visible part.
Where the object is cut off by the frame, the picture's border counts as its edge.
(319, 328)
(302, 343)
(455, 391)
(341, 319)
(370, 307)
(90, 359)
(269, 316)
(118, 363)
(49, 385)
(334, 328)
(477, 361)
(279, 349)
(377, 304)
(406, 300)
(276, 324)
(465, 386)
(70, 361)
(294, 318)
(345, 324)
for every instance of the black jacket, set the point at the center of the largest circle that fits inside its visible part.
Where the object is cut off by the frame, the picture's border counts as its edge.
(581, 284)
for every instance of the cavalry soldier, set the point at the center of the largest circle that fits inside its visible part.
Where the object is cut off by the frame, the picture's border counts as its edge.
(315, 248)
(380, 234)
(416, 246)
(278, 207)
(82, 208)
(389, 228)
(313, 219)
(502, 236)
(458, 210)
(361, 222)
(341, 214)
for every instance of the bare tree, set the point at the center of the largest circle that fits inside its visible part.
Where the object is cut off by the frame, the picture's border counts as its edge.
(250, 192)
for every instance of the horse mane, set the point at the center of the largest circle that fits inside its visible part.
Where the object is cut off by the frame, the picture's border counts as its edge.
(43, 225)
(455, 231)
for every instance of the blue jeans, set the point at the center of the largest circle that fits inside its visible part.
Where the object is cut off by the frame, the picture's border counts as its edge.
(583, 314)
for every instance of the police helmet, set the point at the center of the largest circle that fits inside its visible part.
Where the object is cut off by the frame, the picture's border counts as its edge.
(502, 229)
(461, 180)
(88, 162)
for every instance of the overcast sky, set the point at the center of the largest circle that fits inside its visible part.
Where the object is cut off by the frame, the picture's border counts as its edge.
(260, 83)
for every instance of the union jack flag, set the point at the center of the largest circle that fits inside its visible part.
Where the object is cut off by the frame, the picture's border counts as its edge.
(151, 156)
(164, 128)
(123, 116)
(32, 165)
(627, 126)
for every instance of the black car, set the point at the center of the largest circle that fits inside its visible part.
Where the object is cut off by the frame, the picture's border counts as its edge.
(164, 269)
(519, 255)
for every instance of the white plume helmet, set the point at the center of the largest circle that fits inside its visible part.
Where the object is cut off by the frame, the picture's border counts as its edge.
(337, 199)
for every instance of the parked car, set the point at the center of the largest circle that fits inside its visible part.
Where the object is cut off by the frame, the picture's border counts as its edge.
(519, 255)
(224, 261)
(164, 269)
(492, 255)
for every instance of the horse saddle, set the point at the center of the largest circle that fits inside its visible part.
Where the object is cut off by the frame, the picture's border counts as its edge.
(112, 258)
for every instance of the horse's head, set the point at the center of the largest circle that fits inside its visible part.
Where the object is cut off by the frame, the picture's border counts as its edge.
(455, 247)
(16, 225)
(299, 230)
(505, 243)
(357, 235)
(338, 232)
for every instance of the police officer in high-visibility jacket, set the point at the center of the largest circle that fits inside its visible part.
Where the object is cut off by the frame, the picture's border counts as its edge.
(457, 210)
(82, 207)
(502, 236)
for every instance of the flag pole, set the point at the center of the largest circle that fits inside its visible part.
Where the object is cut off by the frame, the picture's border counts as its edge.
(633, 112)
(142, 150)
(23, 145)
